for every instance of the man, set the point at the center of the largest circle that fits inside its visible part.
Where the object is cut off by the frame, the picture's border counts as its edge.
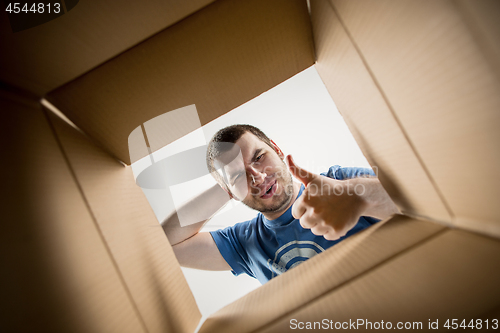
(295, 221)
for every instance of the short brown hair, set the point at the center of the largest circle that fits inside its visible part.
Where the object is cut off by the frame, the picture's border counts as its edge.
(230, 134)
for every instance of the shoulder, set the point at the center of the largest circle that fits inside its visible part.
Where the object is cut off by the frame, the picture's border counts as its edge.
(341, 173)
(331, 172)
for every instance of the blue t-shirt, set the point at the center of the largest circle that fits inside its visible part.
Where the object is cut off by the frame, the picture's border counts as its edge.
(265, 248)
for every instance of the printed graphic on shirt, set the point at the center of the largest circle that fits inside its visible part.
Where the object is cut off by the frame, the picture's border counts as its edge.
(292, 254)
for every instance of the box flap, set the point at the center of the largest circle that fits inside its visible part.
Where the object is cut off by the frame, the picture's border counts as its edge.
(327, 271)
(57, 274)
(371, 120)
(218, 58)
(44, 57)
(133, 236)
(452, 276)
(441, 83)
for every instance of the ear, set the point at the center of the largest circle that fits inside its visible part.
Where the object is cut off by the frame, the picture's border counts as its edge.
(278, 150)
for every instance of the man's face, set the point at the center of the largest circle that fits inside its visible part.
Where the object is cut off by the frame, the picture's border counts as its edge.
(258, 176)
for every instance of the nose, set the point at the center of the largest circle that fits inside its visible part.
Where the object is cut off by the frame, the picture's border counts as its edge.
(256, 176)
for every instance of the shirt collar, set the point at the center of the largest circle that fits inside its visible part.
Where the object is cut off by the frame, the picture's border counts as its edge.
(284, 218)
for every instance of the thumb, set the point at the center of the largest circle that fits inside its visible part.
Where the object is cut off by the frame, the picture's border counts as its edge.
(301, 174)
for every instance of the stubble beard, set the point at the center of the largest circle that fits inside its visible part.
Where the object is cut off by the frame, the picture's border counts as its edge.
(282, 199)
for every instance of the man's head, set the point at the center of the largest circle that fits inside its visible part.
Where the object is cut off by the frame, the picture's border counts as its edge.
(250, 167)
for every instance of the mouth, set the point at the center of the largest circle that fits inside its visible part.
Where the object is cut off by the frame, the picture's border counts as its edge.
(270, 190)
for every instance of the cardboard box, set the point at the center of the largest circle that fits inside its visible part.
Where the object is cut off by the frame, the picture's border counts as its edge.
(417, 83)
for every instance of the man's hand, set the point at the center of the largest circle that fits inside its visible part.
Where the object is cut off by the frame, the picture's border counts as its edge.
(329, 207)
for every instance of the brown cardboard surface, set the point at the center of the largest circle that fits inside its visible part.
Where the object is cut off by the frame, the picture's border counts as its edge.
(441, 81)
(416, 82)
(57, 274)
(135, 238)
(218, 58)
(370, 119)
(454, 275)
(481, 17)
(44, 57)
(321, 274)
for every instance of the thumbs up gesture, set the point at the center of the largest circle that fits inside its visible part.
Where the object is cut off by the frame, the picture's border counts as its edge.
(329, 207)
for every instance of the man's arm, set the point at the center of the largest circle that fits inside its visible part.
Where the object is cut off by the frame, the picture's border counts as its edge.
(376, 201)
(331, 208)
(200, 252)
(196, 249)
(188, 220)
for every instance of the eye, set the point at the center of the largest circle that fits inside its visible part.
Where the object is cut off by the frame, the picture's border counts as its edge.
(259, 157)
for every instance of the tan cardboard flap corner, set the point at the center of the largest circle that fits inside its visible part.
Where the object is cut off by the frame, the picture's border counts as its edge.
(423, 84)
(47, 56)
(57, 273)
(441, 279)
(321, 274)
(370, 119)
(218, 58)
(135, 239)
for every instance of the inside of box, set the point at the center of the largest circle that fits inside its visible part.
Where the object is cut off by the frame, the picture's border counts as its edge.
(317, 141)
(417, 83)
